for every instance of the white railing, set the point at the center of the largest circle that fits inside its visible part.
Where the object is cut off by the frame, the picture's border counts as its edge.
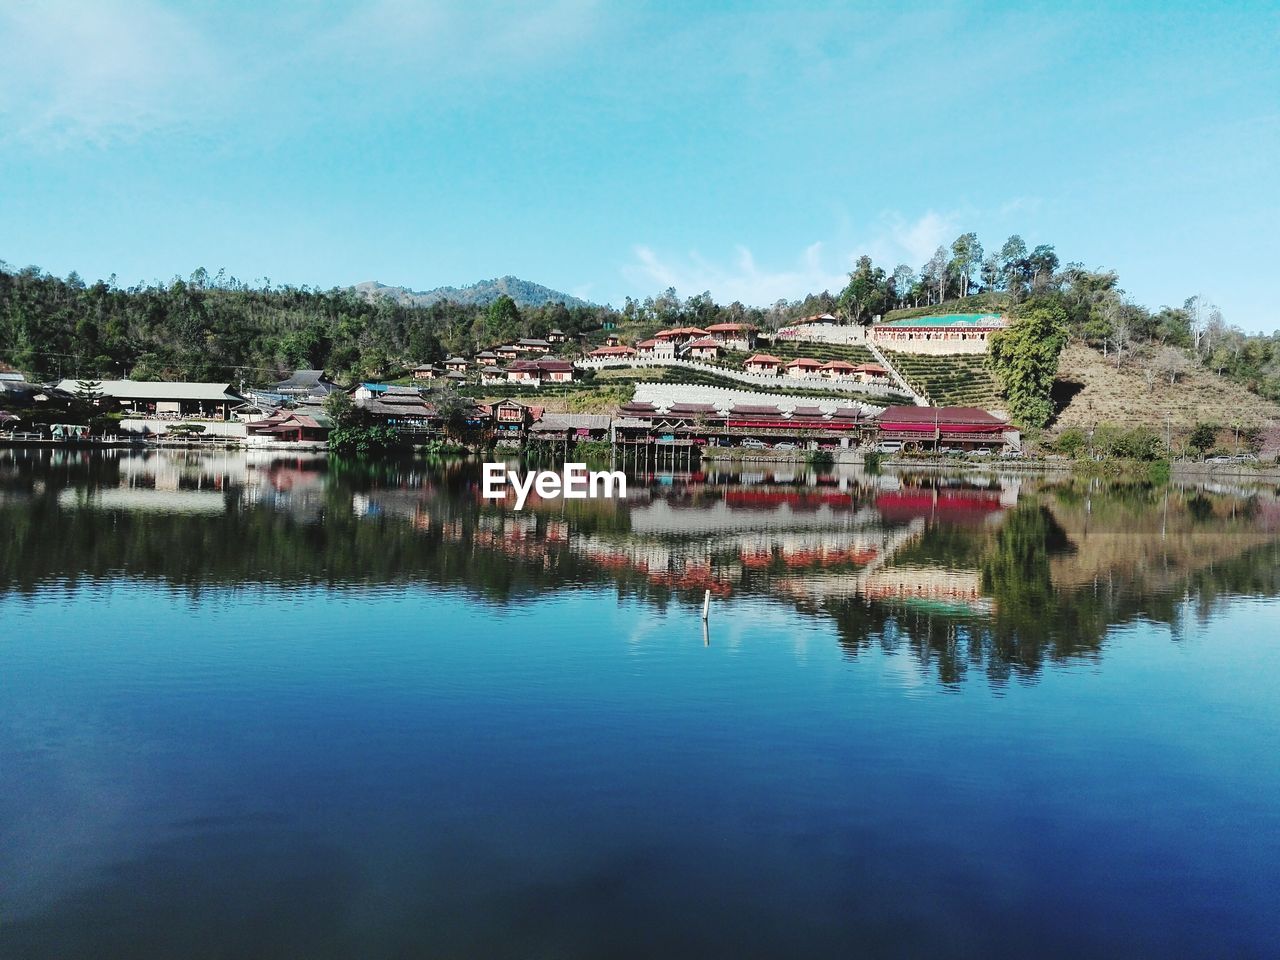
(919, 398)
(755, 379)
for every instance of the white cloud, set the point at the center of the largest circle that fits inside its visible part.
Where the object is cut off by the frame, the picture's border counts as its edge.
(96, 71)
(893, 239)
(469, 39)
(742, 279)
(102, 69)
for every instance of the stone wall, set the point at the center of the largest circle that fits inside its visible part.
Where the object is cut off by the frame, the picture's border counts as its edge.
(663, 394)
(754, 379)
(934, 343)
(212, 428)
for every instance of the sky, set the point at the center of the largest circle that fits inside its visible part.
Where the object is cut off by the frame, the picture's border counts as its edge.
(616, 149)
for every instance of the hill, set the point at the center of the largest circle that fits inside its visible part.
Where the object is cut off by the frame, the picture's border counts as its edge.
(523, 292)
(1090, 390)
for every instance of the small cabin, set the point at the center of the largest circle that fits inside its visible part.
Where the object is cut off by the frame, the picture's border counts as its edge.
(763, 363)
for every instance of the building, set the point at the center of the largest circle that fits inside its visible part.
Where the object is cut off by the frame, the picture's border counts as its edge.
(492, 376)
(870, 373)
(507, 352)
(764, 363)
(802, 368)
(402, 408)
(555, 371)
(681, 335)
(456, 365)
(817, 318)
(511, 419)
(705, 349)
(290, 426)
(305, 385)
(572, 427)
(533, 345)
(425, 371)
(939, 335)
(615, 352)
(556, 335)
(837, 370)
(612, 340)
(524, 373)
(537, 372)
(733, 336)
(962, 428)
(170, 400)
(485, 358)
(655, 349)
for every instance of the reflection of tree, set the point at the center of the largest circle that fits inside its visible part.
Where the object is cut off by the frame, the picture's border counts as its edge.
(425, 525)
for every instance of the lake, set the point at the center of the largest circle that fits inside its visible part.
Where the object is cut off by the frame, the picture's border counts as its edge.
(270, 706)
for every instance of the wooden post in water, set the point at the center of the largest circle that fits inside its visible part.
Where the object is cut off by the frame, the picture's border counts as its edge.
(706, 605)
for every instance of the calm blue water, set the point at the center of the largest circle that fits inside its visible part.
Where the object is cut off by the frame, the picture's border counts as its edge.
(516, 741)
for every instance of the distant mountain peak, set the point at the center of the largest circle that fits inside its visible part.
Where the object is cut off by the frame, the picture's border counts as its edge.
(524, 292)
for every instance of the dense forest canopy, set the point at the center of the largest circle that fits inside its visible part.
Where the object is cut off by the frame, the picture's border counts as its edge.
(215, 327)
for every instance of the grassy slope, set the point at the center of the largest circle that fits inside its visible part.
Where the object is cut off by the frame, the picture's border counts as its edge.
(1096, 392)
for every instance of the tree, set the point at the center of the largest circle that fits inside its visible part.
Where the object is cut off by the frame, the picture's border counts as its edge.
(966, 253)
(339, 408)
(990, 272)
(1170, 363)
(1203, 437)
(1013, 257)
(1024, 359)
(866, 294)
(1042, 263)
(88, 400)
(502, 321)
(904, 279)
(936, 272)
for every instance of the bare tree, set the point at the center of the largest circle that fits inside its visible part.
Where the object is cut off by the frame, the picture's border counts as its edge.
(1121, 330)
(1170, 363)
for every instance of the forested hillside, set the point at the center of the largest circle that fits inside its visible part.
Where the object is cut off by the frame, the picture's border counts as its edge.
(523, 292)
(217, 328)
(214, 327)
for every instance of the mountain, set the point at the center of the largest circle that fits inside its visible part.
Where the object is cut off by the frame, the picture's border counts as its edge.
(523, 292)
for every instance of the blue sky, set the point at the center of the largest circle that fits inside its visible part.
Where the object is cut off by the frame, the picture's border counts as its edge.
(750, 149)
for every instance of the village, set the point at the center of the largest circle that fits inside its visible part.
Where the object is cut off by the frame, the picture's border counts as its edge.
(748, 410)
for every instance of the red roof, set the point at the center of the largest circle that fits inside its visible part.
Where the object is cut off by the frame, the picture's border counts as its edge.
(554, 366)
(728, 327)
(612, 352)
(804, 362)
(762, 358)
(838, 365)
(969, 416)
(681, 332)
(647, 343)
(706, 342)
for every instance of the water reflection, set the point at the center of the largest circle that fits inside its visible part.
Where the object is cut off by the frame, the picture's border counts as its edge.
(986, 574)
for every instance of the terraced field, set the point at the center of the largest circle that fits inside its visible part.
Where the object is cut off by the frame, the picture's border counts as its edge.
(791, 349)
(962, 381)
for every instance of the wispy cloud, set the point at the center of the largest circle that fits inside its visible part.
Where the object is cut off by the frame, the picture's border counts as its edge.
(97, 70)
(823, 265)
(741, 279)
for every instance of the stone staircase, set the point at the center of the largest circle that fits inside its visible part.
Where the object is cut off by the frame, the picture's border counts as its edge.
(916, 397)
